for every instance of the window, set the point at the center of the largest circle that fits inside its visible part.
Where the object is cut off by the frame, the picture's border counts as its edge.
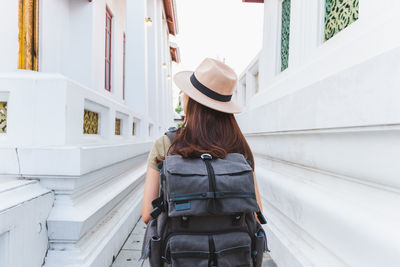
(285, 34)
(339, 15)
(117, 126)
(244, 90)
(3, 117)
(90, 122)
(123, 66)
(256, 83)
(108, 50)
(28, 37)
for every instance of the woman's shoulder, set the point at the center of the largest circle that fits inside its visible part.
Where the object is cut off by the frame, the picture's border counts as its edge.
(162, 143)
(163, 139)
(160, 147)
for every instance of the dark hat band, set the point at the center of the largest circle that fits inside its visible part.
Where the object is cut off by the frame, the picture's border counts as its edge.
(207, 91)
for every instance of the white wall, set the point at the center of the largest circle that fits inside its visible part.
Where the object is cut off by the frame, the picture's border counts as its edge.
(324, 133)
(97, 179)
(71, 43)
(9, 36)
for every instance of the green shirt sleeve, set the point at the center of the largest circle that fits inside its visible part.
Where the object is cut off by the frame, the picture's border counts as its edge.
(159, 149)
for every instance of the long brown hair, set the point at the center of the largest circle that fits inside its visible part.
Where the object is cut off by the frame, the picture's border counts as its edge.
(205, 130)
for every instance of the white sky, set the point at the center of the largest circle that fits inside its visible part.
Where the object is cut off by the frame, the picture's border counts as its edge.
(218, 29)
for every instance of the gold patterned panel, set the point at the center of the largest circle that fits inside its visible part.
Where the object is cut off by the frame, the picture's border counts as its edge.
(3, 117)
(28, 37)
(133, 128)
(90, 122)
(117, 126)
(338, 15)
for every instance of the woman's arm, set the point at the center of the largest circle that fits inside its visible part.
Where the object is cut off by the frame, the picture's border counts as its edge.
(151, 192)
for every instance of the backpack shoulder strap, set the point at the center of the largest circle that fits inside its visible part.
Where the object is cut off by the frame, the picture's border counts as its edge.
(171, 133)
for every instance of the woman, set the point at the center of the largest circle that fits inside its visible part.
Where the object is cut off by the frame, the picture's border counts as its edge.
(209, 125)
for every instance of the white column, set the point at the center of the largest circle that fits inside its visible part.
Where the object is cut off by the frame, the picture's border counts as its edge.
(67, 39)
(9, 36)
(306, 30)
(136, 87)
(161, 71)
(270, 54)
(153, 62)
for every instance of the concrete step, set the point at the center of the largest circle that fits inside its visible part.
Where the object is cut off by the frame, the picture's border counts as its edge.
(99, 246)
(75, 214)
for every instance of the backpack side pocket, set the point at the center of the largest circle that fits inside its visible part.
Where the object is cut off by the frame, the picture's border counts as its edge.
(155, 251)
(151, 230)
(260, 245)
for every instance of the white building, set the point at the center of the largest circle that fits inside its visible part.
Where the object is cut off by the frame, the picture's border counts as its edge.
(322, 117)
(85, 87)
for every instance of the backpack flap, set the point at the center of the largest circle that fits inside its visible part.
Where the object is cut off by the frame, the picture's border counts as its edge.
(214, 186)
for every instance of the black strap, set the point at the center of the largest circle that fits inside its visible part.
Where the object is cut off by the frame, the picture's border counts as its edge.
(158, 205)
(211, 202)
(207, 91)
(171, 133)
(261, 217)
(212, 259)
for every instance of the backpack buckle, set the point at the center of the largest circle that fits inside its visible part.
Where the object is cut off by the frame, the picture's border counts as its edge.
(236, 218)
(261, 217)
(159, 206)
(254, 256)
(184, 221)
(205, 156)
(159, 165)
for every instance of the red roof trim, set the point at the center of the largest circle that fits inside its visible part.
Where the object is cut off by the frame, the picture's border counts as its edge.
(174, 50)
(253, 1)
(170, 12)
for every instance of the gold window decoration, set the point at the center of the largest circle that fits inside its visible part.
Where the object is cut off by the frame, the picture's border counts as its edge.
(90, 122)
(338, 15)
(3, 117)
(117, 126)
(28, 37)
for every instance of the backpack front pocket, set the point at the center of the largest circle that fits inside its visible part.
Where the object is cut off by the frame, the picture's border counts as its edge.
(202, 250)
(201, 188)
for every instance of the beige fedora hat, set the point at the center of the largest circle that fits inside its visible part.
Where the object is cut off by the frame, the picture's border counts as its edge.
(211, 84)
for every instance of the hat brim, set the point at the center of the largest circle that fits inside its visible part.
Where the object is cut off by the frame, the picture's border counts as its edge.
(182, 80)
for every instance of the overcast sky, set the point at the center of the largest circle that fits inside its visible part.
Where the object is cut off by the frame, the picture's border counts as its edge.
(218, 29)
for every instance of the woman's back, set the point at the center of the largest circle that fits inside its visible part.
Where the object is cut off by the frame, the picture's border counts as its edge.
(209, 128)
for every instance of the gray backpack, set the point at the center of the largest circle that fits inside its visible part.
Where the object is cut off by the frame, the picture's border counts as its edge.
(204, 215)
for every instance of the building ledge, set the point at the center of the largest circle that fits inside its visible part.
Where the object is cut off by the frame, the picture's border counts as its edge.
(68, 160)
